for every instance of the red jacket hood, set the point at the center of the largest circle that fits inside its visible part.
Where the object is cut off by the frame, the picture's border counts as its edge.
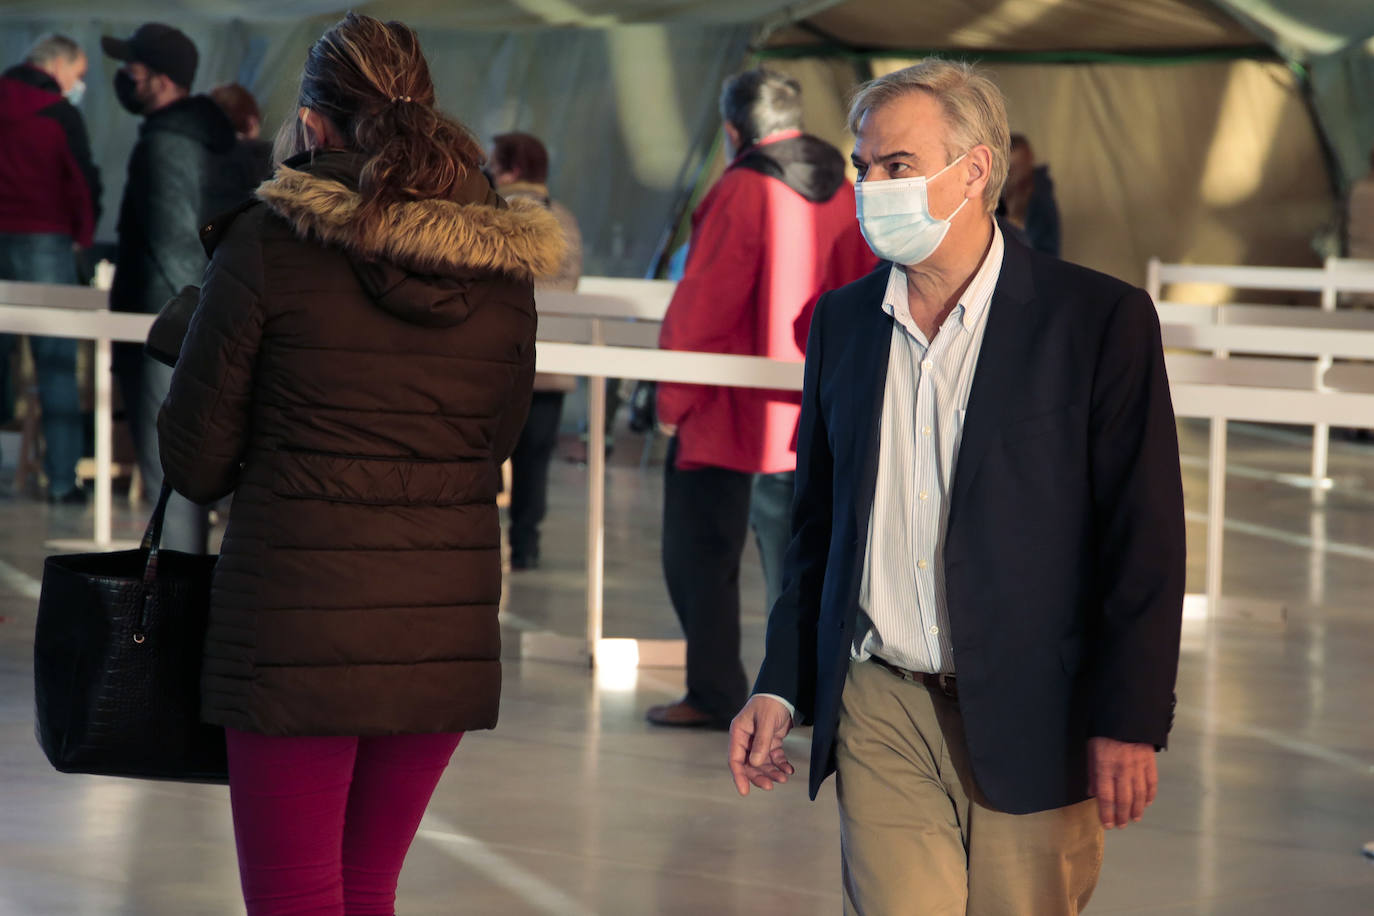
(19, 99)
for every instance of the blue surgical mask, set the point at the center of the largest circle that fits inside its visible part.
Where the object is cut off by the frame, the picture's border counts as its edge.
(76, 93)
(895, 218)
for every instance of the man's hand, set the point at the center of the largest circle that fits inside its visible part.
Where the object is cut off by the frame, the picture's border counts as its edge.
(1123, 778)
(756, 754)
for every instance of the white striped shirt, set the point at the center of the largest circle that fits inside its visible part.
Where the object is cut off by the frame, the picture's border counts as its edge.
(903, 617)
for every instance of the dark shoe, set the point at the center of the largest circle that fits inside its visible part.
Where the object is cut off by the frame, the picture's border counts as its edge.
(524, 561)
(73, 497)
(682, 715)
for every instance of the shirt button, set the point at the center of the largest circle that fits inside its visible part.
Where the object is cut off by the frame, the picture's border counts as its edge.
(934, 631)
(925, 495)
(926, 364)
(925, 430)
(921, 564)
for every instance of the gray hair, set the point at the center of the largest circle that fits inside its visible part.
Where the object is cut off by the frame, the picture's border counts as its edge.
(974, 109)
(53, 47)
(761, 102)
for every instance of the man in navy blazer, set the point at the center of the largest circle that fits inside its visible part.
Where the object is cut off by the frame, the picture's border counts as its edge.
(983, 591)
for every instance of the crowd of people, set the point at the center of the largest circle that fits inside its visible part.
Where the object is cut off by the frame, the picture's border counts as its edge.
(970, 520)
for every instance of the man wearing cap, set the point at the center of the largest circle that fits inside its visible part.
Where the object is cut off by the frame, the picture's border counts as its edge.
(176, 184)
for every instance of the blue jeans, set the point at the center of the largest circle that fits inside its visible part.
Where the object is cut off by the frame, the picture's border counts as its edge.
(43, 258)
(144, 386)
(770, 517)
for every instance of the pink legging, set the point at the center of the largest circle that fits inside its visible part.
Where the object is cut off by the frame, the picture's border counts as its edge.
(323, 824)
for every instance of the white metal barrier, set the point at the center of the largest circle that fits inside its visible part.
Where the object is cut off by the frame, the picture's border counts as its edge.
(79, 312)
(1210, 387)
(1334, 277)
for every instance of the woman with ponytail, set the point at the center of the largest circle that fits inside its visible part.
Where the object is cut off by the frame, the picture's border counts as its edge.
(358, 368)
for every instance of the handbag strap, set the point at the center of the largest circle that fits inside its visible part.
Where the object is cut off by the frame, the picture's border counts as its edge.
(152, 543)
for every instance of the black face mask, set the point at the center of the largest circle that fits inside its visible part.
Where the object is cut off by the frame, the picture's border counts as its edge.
(126, 90)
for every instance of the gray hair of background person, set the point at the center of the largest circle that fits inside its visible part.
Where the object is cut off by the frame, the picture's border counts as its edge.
(53, 47)
(973, 105)
(760, 103)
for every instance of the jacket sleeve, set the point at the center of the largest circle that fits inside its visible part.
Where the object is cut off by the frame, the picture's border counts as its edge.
(84, 188)
(789, 664)
(512, 421)
(712, 307)
(1138, 509)
(203, 426)
(170, 174)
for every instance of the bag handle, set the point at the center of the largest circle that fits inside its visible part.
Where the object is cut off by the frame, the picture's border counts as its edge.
(152, 543)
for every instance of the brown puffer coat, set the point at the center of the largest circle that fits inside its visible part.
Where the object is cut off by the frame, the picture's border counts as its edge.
(358, 392)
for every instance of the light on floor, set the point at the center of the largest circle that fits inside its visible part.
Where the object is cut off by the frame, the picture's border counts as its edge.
(617, 664)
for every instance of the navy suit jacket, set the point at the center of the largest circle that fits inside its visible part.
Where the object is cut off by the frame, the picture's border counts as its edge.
(1064, 556)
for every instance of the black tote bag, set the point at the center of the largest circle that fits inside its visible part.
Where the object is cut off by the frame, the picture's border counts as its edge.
(117, 657)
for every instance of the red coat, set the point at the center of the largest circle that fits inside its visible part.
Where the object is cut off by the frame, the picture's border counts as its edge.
(48, 183)
(760, 252)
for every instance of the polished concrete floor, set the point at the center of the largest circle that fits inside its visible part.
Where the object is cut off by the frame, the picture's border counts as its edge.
(574, 806)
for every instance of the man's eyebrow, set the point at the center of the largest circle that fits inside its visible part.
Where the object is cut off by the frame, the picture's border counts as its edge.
(887, 157)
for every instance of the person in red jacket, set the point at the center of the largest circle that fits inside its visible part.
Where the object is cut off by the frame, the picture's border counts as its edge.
(49, 204)
(774, 232)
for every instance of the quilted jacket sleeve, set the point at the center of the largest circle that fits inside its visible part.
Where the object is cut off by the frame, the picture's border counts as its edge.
(203, 427)
(512, 420)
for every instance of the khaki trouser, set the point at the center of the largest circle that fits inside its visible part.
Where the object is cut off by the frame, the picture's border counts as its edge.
(918, 837)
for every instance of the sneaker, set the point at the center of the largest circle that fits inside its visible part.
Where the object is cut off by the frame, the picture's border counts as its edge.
(73, 497)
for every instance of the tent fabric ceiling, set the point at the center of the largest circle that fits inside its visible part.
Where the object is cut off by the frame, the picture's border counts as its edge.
(482, 15)
(1308, 28)
(1301, 27)
(1026, 25)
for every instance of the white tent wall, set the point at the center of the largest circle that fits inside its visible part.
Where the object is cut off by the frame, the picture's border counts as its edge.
(622, 109)
(1212, 162)
(1207, 162)
(1196, 161)
(623, 112)
(1240, 136)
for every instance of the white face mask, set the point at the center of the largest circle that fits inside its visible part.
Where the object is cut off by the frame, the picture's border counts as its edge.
(895, 218)
(76, 93)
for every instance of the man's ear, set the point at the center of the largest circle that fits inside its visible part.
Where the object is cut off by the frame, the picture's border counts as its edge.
(979, 170)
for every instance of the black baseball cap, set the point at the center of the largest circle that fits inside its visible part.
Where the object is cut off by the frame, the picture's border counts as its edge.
(160, 48)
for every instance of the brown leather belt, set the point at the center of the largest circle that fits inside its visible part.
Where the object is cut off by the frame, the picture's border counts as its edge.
(945, 684)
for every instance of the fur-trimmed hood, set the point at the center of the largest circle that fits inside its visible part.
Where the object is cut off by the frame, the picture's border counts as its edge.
(423, 260)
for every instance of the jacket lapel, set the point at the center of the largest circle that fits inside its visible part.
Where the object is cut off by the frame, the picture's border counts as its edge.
(873, 343)
(1001, 368)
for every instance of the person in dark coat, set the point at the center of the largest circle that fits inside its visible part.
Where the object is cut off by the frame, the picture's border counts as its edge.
(49, 205)
(519, 166)
(252, 155)
(359, 366)
(1027, 208)
(177, 182)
